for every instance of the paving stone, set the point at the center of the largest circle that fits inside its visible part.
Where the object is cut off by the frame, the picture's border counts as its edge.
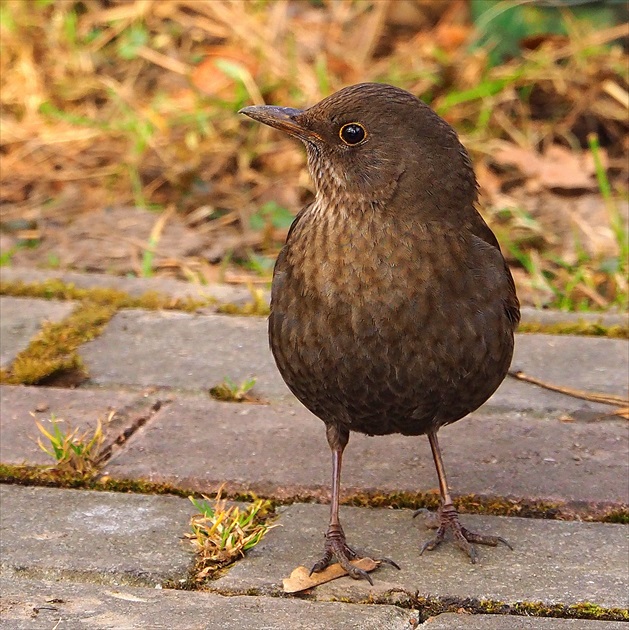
(554, 562)
(100, 537)
(21, 319)
(453, 621)
(196, 352)
(594, 363)
(31, 604)
(281, 450)
(132, 286)
(183, 351)
(79, 409)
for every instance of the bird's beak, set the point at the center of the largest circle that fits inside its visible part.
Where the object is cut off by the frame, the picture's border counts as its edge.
(283, 118)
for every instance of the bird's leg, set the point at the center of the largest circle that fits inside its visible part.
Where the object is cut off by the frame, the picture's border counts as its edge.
(335, 545)
(448, 517)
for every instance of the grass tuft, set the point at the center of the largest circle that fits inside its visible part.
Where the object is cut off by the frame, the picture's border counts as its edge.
(221, 534)
(230, 391)
(76, 455)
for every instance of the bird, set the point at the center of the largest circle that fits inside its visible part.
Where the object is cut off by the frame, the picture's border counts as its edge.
(393, 309)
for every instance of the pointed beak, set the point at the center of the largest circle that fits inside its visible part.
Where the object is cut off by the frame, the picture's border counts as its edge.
(283, 118)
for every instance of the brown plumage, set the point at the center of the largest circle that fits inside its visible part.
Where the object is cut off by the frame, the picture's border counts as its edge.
(392, 307)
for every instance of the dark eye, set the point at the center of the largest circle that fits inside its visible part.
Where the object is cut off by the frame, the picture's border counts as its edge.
(352, 133)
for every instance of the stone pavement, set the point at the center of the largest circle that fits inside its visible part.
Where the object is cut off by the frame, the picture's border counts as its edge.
(79, 558)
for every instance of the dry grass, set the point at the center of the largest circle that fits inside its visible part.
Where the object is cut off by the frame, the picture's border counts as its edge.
(222, 534)
(134, 103)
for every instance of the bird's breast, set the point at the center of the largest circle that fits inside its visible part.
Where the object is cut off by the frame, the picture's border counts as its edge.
(373, 313)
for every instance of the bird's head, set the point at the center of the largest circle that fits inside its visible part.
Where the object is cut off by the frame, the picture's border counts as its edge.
(372, 141)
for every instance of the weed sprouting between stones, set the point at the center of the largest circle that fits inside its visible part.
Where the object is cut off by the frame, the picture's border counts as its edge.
(230, 391)
(221, 534)
(76, 454)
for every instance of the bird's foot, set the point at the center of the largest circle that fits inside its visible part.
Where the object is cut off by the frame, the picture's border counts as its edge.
(447, 521)
(337, 549)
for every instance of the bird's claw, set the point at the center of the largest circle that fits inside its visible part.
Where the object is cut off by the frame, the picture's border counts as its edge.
(337, 549)
(448, 522)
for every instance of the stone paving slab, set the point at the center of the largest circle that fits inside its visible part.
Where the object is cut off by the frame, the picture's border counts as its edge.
(180, 350)
(594, 363)
(554, 562)
(80, 409)
(30, 604)
(101, 537)
(21, 319)
(453, 621)
(281, 450)
(196, 352)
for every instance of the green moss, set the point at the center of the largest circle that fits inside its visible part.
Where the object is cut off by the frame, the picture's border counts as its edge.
(467, 504)
(54, 350)
(592, 329)
(620, 515)
(430, 607)
(586, 610)
(139, 486)
(58, 290)
(47, 476)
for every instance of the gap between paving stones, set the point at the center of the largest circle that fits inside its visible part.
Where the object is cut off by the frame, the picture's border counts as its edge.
(47, 359)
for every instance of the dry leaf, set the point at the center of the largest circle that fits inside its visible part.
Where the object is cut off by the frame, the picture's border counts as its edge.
(558, 167)
(299, 579)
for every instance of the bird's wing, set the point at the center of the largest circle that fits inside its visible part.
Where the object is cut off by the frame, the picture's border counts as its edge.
(479, 228)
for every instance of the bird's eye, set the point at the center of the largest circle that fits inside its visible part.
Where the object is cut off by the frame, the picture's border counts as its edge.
(352, 133)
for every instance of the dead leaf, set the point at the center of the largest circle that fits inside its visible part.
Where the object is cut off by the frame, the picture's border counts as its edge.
(556, 168)
(208, 77)
(300, 580)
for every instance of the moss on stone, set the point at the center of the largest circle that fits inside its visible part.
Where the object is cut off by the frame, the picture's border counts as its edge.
(620, 515)
(581, 327)
(58, 290)
(466, 504)
(47, 476)
(53, 351)
(256, 308)
(430, 607)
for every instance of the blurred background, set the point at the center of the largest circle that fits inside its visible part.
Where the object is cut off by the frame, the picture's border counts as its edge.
(122, 152)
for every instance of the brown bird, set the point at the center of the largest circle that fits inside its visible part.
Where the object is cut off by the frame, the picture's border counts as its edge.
(392, 307)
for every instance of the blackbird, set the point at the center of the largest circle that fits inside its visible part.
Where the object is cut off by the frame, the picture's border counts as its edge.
(392, 307)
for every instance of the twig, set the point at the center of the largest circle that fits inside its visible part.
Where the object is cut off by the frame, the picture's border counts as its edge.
(605, 399)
